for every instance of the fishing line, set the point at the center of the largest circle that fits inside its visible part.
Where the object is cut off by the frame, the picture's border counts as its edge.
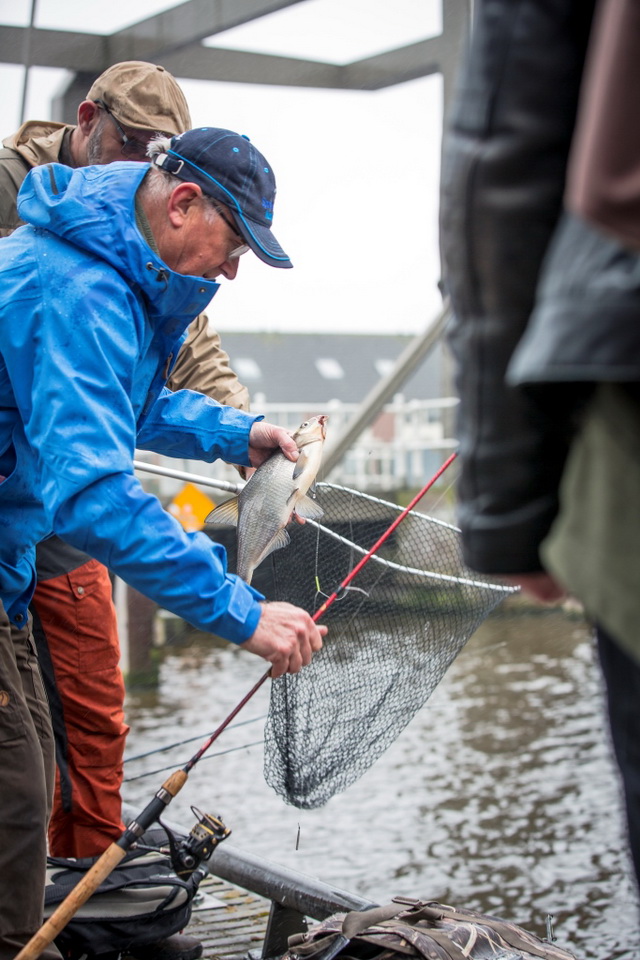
(319, 592)
(181, 743)
(319, 527)
(212, 756)
(349, 543)
(385, 536)
(443, 493)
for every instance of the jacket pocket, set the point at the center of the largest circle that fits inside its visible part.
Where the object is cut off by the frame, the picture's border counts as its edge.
(11, 717)
(98, 647)
(79, 620)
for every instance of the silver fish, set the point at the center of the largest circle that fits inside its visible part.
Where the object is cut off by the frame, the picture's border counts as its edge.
(276, 491)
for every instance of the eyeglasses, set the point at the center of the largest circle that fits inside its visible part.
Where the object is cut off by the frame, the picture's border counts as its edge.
(242, 247)
(130, 147)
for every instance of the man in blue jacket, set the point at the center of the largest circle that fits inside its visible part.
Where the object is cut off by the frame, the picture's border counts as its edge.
(74, 617)
(96, 293)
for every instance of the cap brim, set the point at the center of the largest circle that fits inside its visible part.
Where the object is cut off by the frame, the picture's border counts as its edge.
(262, 241)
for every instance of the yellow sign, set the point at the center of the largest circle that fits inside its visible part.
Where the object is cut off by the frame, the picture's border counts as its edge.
(190, 507)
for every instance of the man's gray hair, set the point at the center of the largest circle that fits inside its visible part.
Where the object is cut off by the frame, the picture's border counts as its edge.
(158, 144)
(158, 183)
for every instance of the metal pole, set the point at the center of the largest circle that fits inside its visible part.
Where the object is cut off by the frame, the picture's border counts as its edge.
(310, 896)
(27, 60)
(407, 362)
(188, 477)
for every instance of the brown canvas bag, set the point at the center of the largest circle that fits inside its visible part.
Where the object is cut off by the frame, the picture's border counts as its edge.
(427, 930)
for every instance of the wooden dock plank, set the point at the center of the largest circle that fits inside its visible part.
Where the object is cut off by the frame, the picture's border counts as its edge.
(231, 930)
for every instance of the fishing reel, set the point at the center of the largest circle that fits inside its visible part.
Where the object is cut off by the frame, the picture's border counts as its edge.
(187, 853)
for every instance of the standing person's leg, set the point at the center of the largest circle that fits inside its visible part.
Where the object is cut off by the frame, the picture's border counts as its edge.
(76, 633)
(27, 763)
(622, 678)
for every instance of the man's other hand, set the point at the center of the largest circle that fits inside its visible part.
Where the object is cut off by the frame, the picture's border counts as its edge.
(541, 586)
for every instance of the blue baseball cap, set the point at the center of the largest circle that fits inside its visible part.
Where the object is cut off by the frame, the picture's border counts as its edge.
(228, 168)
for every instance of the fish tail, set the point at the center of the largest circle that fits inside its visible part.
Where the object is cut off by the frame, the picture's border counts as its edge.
(245, 573)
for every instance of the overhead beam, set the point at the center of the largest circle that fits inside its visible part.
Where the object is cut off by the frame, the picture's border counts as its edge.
(179, 28)
(91, 54)
(414, 60)
(240, 66)
(187, 24)
(65, 49)
(237, 66)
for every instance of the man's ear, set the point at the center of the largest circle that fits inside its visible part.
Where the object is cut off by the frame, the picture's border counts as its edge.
(182, 201)
(87, 115)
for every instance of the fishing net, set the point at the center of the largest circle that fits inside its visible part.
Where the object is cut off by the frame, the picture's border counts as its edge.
(392, 635)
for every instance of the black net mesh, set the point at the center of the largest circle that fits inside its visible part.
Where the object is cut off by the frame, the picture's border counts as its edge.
(392, 635)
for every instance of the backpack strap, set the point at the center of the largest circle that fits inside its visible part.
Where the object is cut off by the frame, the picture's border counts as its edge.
(358, 920)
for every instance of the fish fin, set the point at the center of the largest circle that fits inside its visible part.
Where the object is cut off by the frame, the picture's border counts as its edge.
(309, 509)
(300, 464)
(281, 539)
(226, 515)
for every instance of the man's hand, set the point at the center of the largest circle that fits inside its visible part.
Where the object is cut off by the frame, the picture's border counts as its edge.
(265, 438)
(286, 636)
(541, 586)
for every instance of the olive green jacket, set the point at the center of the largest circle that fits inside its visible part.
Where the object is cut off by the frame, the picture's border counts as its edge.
(202, 364)
(593, 547)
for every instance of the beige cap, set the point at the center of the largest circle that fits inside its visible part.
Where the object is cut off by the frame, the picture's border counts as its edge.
(143, 96)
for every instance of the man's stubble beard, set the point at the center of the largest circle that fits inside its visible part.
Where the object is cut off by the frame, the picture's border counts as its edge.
(95, 152)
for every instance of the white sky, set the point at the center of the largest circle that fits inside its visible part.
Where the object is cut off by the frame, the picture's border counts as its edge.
(357, 172)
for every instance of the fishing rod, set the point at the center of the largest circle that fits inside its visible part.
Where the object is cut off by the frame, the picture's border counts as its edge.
(212, 829)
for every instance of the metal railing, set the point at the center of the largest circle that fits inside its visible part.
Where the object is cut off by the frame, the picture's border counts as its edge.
(404, 444)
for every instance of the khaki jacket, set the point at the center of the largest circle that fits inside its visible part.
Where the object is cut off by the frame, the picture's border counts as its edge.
(202, 364)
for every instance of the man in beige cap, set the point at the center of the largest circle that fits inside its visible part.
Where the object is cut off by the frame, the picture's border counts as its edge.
(73, 612)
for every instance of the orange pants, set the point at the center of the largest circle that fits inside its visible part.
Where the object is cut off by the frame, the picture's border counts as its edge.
(77, 640)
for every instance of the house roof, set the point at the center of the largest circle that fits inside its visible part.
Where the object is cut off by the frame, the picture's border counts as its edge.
(316, 368)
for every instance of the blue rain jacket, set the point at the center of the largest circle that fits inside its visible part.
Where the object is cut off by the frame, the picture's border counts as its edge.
(90, 318)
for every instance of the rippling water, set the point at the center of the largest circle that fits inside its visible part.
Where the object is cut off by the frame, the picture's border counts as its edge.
(500, 796)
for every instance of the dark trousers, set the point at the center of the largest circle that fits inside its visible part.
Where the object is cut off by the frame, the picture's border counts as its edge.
(622, 678)
(26, 788)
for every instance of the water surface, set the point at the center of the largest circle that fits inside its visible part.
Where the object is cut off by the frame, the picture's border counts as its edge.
(500, 796)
